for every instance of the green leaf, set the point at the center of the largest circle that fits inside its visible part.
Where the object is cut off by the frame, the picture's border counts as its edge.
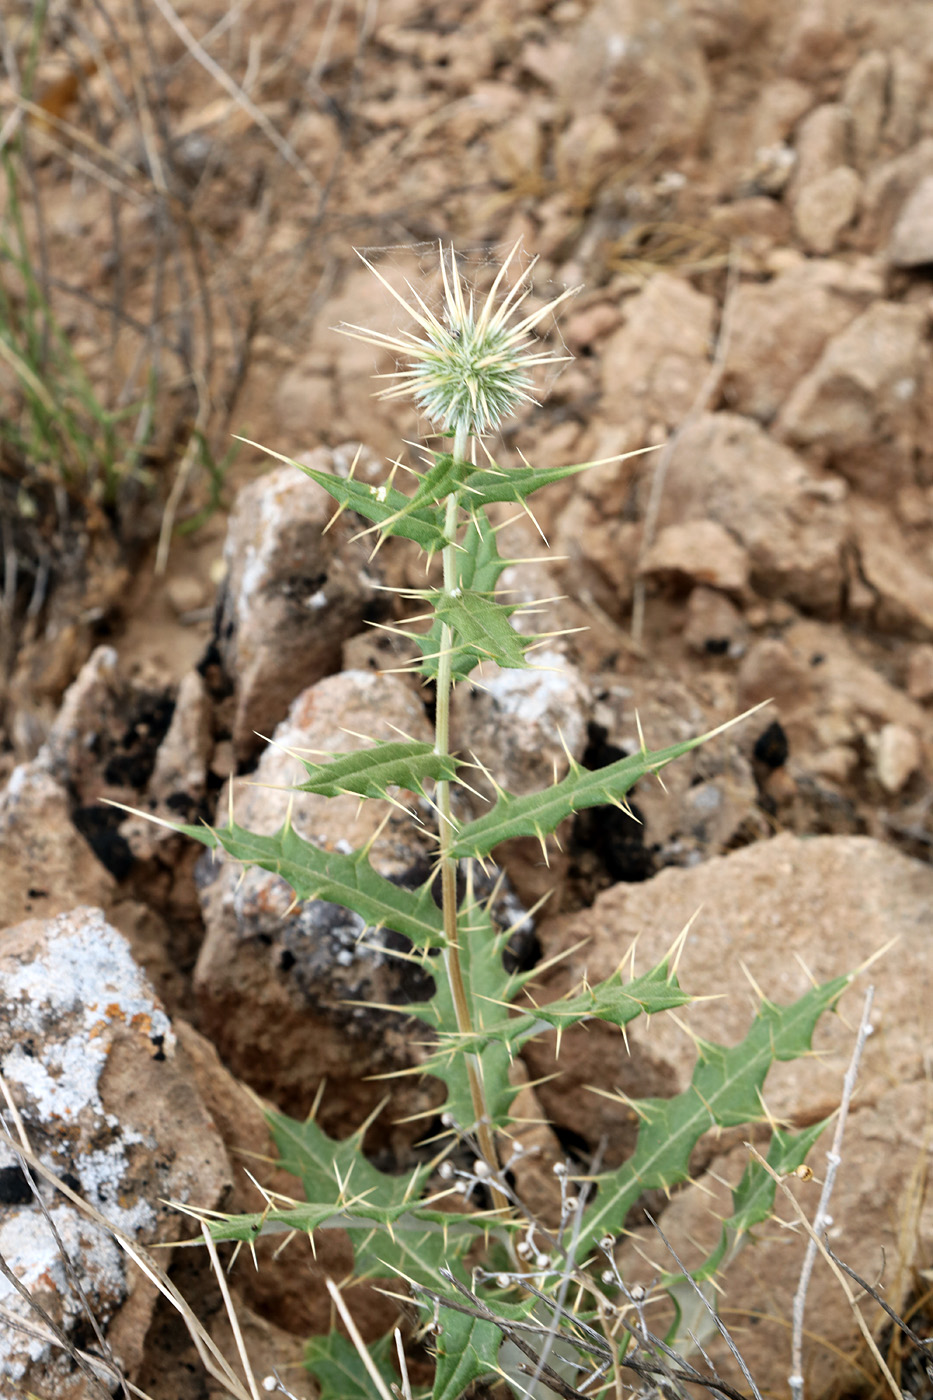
(479, 566)
(418, 519)
(725, 1090)
(338, 1369)
(753, 1203)
(612, 1000)
(753, 1198)
(395, 1234)
(373, 771)
(345, 879)
(493, 484)
(467, 1348)
(539, 813)
(481, 627)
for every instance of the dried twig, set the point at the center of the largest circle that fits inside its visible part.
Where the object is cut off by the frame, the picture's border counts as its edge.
(720, 1325)
(833, 1158)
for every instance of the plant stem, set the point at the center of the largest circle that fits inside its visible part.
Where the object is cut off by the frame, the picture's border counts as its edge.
(448, 865)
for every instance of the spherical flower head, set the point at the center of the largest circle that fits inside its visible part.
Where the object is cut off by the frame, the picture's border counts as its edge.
(467, 369)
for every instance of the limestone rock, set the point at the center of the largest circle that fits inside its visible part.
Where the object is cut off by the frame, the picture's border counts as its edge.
(790, 521)
(699, 551)
(887, 188)
(47, 865)
(713, 626)
(652, 368)
(821, 143)
(920, 672)
(897, 757)
(823, 692)
(911, 242)
(825, 207)
(864, 98)
(292, 594)
(858, 406)
(779, 328)
(645, 69)
(897, 575)
(108, 1103)
(284, 992)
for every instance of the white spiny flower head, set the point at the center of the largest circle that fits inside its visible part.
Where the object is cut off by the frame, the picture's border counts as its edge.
(467, 369)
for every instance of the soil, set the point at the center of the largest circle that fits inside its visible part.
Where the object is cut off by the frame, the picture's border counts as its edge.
(192, 214)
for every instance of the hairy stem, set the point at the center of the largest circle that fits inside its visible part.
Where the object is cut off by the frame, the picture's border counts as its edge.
(448, 865)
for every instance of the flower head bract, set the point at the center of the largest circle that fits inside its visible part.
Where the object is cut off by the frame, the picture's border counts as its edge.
(468, 368)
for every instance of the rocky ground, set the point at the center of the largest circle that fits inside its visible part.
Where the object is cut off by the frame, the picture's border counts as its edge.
(745, 194)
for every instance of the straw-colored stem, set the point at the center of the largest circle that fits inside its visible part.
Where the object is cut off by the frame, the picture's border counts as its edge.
(448, 865)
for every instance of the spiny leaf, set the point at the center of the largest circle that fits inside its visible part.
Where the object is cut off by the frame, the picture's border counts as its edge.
(478, 634)
(418, 521)
(481, 625)
(328, 1167)
(391, 1233)
(488, 485)
(612, 1000)
(753, 1203)
(726, 1090)
(467, 1348)
(345, 879)
(539, 813)
(336, 1366)
(371, 772)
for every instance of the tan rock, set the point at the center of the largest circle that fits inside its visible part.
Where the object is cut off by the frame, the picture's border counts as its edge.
(292, 595)
(791, 522)
(825, 206)
(865, 99)
(858, 406)
(823, 693)
(898, 576)
(699, 551)
(645, 69)
(652, 368)
(780, 106)
(887, 188)
(817, 41)
(897, 757)
(714, 626)
(911, 242)
(920, 672)
(47, 866)
(821, 143)
(779, 328)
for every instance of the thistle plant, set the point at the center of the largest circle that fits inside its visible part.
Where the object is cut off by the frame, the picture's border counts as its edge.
(549, 1300)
